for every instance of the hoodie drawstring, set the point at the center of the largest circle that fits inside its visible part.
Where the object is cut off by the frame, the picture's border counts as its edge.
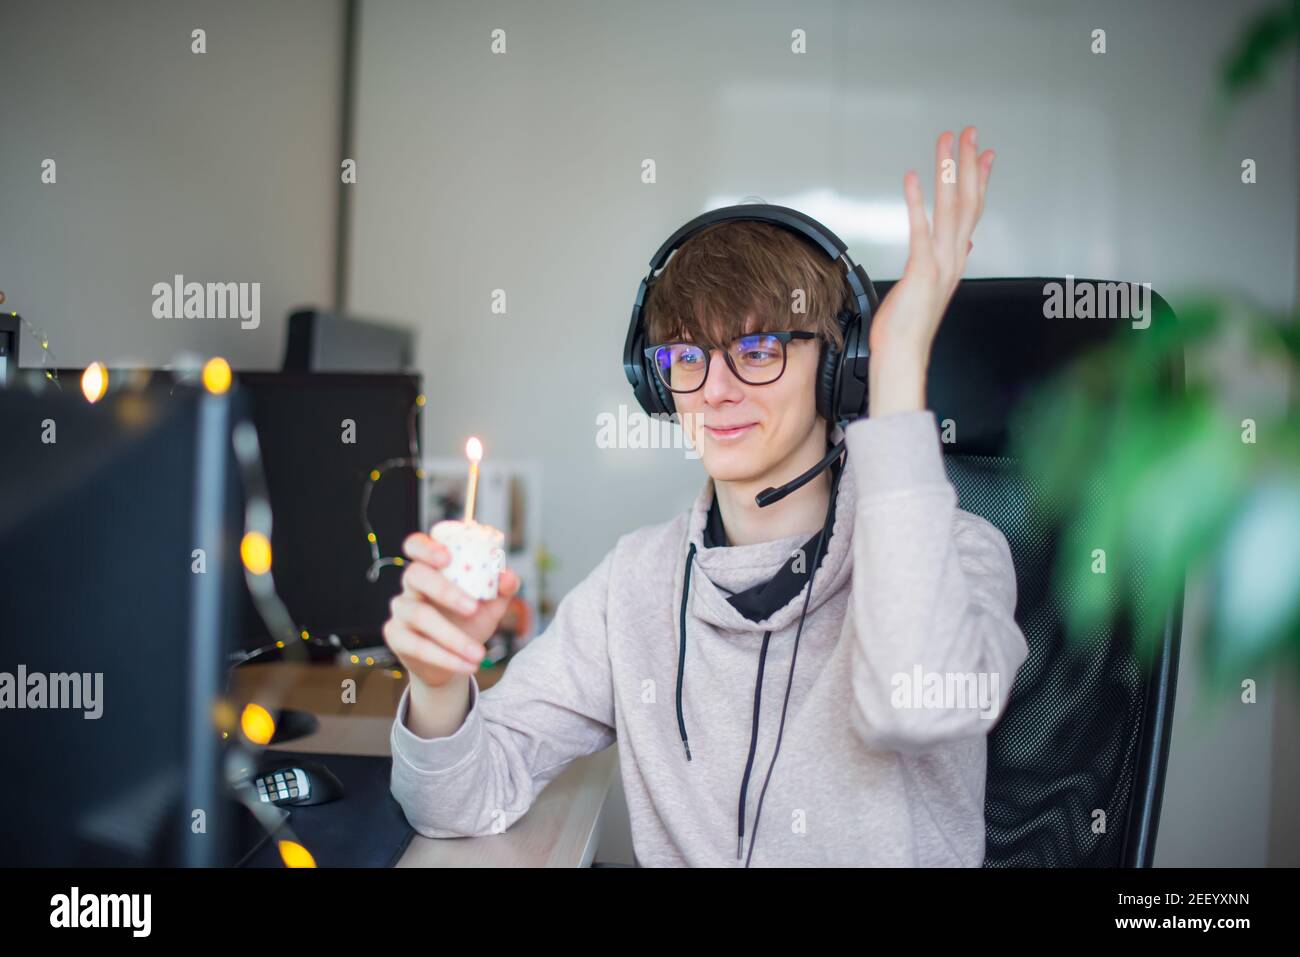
(758, 699)
(681, 654)
(753, 745)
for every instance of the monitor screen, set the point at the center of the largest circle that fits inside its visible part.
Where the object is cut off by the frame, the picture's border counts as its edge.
(322, 436)
(114, 629)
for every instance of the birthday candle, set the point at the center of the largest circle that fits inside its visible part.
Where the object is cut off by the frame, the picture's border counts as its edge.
(473, 449)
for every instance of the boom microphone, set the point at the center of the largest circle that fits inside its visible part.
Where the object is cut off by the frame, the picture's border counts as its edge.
(770, 495)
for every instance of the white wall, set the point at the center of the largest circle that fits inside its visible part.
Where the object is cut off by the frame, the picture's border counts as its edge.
(221, 167)
(521, 172)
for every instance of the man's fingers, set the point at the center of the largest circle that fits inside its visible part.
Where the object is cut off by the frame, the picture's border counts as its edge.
(424, 548)
(423, 619)
(918, 226)
(412, 647)
(986, 170)
(945, 194)
(422, 580)
(420, 547)
(508, 584)
(969, 187)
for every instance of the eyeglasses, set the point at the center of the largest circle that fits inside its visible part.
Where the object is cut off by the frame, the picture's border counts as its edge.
(754, 359)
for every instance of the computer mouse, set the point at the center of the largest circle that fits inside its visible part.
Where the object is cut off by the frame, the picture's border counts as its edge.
(299, 783)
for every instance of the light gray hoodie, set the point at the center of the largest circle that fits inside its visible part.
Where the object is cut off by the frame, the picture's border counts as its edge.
(883, 751)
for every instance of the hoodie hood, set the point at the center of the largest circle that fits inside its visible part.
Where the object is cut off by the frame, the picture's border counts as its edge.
(717, 573)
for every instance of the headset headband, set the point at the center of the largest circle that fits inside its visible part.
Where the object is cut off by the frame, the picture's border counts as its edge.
(791, 219)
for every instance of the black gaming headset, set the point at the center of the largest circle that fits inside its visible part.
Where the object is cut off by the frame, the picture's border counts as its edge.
(842, 375)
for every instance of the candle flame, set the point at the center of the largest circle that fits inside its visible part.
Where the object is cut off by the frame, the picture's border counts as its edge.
(474, 448)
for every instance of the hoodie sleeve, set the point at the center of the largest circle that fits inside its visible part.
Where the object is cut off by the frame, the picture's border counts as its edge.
(553, 704)
(933, 597)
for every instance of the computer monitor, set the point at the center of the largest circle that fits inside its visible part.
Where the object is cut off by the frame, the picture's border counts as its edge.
(324, 341)
(321, 436)
(118, 565)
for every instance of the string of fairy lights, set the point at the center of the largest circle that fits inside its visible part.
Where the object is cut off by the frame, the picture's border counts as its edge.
(47, 354)
(377, 561)
(216, 376)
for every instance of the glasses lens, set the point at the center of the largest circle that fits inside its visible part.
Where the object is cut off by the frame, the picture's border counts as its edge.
(681, 366)
(759, 358)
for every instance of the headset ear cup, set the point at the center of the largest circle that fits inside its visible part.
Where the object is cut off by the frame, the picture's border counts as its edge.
(852, 398)
(661, 398)
(826, 382)
(826, 374)
(666, 404)
(650, 394)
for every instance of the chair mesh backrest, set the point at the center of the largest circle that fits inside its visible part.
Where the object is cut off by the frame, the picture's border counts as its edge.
(1067, 742)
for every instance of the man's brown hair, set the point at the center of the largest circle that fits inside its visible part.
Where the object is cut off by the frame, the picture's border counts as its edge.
(732, 270)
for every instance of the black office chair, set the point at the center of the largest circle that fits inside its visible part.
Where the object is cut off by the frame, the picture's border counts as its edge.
(1085, 728)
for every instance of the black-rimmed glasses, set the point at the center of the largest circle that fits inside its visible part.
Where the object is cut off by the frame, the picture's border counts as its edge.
(755, 359)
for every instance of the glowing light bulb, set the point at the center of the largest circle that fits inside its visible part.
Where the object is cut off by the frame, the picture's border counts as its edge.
(257, 724)
(255, 550)
(216, 375)
(295, 855)
(94, 382)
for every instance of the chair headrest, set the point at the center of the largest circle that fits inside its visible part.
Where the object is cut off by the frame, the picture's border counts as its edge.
(1003, 337)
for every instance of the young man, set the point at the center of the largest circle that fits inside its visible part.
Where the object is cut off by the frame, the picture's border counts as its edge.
(679, 644)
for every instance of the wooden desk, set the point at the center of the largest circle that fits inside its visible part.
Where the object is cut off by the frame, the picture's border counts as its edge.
(560, 830)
